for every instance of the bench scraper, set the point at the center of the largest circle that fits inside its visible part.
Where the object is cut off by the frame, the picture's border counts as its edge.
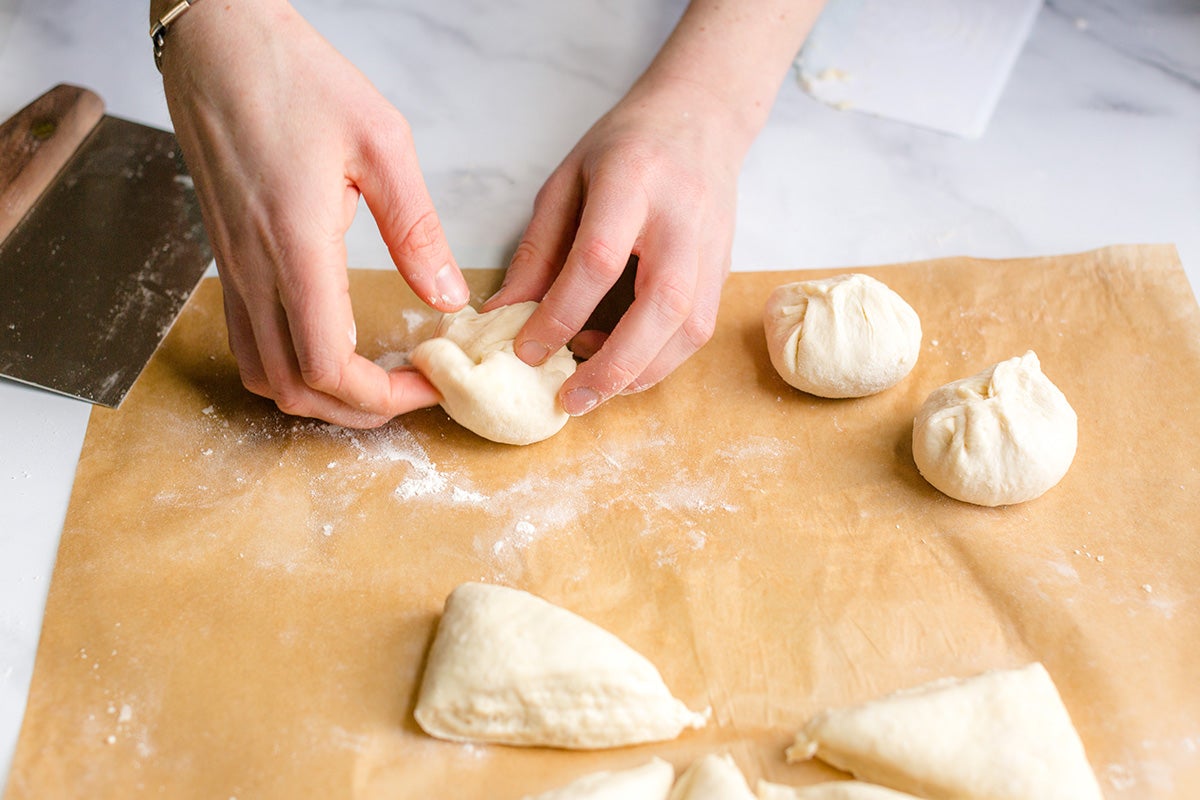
(101, 244)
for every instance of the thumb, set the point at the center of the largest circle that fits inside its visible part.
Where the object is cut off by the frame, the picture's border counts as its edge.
(395, 192)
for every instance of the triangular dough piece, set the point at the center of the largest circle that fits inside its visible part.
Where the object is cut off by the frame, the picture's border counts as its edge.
(650, 781)
(511, 668)
(712, 778)
(1003, 735)
(835, 790)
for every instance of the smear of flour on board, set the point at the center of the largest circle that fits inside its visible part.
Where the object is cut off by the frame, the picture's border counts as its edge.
(757, 453)
(541, 504)
(341, 738)
(461, 495)
(124, 721)
(1164, 606)
(414, 319)
(686, 493)
(523, 534)
(690, 541)
(392, 359)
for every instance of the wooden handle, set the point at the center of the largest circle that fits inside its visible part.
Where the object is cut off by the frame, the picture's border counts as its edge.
(35, 144)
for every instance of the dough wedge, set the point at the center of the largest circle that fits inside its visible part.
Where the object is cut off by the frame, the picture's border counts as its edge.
(511, 668)
(713, 777)
(834, 790)
(1002, 735)
(650, 781)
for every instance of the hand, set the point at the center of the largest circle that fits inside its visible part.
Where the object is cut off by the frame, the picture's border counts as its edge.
(656, 178)
(281, 134)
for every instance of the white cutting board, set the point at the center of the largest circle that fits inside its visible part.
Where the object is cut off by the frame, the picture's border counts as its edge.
(940, 64)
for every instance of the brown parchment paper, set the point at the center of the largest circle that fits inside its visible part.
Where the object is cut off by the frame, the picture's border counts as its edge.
(242, 601)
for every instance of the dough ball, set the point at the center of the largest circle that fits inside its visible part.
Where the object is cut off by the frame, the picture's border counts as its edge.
(484, 386)
(1003, 436)
(846, 336)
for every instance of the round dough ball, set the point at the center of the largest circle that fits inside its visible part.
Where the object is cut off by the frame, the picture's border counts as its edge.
(484, 386)
(1003, 436)
(847, 336)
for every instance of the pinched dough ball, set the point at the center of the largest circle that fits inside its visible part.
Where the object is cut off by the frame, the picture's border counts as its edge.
(847, 336)
(484, 386)
(1003, 436)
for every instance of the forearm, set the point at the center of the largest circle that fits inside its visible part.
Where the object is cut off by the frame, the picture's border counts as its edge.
(736, 50)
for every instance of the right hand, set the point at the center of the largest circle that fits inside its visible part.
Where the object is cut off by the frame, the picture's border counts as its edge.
(281, 135)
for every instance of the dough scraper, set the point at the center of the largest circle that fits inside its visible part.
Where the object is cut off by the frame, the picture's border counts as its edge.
(939, 64)
(101, 244)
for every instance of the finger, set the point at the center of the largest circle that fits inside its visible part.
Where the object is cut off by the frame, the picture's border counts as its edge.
(544, 245)
(693, 334)
(699, 327)
(282, 371)
(242, 343)
(391, 183)
(333, 378)
(612, 219)
(407, 389)
(665, 291)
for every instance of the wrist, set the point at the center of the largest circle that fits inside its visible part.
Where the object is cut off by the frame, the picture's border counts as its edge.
(739, 53)
(214, 27)
(690, 96)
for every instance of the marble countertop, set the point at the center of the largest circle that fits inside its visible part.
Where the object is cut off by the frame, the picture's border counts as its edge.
(1094, 142)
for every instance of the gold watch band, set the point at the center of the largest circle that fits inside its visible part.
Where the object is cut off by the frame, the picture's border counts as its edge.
(158, 30)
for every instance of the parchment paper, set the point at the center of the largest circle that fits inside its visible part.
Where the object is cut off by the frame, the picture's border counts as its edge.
(242, 601)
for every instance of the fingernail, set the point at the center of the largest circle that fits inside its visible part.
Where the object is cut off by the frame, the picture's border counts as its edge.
(635, 388)
(450, 286)
(353, 335)
(578, 402)
(532, 353)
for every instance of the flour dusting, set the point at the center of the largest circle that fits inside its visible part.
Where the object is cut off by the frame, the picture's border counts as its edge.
(509, 518)
(461, 495)
(415, 319)
(392, 360)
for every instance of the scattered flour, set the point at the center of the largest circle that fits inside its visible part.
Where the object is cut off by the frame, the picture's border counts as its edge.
(1119, 777)
(393, 359)
(546, 502)
(690, 542)
(426, 480)
(461, 495)
(414, 319)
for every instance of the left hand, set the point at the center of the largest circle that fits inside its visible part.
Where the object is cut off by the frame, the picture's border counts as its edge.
(656, 177)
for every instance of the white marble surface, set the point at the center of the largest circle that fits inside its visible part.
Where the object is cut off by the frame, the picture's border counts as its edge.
(1094, 141)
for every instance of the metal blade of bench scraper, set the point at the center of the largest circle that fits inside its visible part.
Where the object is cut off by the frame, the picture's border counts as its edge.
(95, 274)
